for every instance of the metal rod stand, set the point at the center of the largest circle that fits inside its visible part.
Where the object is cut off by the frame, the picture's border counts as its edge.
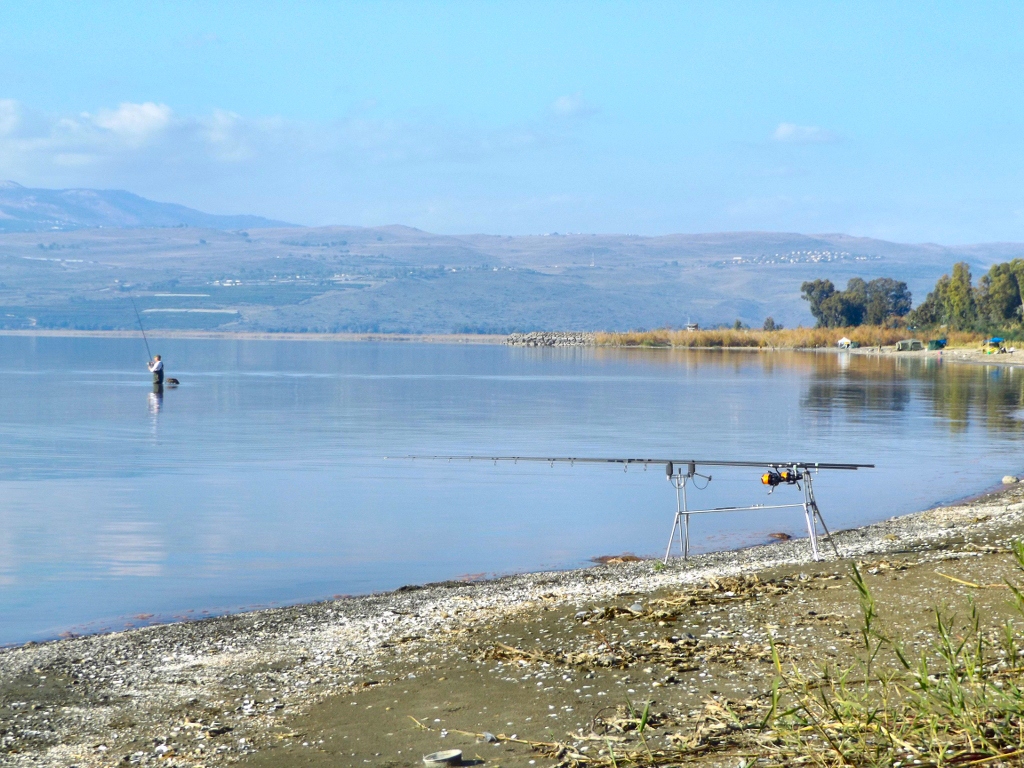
(815, 516)
(681, 522)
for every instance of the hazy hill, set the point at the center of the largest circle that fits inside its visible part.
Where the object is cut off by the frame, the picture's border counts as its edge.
(402, 279)
(31, 210)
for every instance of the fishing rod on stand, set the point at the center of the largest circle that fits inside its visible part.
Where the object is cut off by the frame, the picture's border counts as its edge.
(680, 472)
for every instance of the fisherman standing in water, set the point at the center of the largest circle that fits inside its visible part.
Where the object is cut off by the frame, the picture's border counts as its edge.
(156, 367)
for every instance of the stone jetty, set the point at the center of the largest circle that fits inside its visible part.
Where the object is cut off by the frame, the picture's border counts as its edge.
(551, 339)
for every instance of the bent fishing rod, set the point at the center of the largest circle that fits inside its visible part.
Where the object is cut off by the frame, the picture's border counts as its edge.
(139, 318)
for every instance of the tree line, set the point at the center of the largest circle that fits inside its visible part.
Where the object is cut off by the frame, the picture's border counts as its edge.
(879, 302)
(996, 302)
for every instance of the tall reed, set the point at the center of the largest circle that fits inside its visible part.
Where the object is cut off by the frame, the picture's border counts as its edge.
(788, 338)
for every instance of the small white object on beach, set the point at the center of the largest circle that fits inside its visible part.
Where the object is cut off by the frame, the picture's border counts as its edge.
(447, 757)
(1010, 480)
(636, 608)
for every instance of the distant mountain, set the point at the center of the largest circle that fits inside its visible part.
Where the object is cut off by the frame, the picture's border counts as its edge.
(404, 280)
(33, 210)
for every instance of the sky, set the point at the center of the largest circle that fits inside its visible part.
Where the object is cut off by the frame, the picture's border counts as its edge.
(903, 121)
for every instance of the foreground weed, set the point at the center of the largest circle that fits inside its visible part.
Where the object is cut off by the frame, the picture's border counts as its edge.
(959, 703)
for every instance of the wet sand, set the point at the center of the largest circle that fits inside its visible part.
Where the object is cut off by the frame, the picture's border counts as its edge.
(530, 660)
(955, 355)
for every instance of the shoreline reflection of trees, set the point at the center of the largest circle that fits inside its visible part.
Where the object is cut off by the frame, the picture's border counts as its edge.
(736, 359)
(956, 393)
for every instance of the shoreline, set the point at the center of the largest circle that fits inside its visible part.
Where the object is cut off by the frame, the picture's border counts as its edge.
(548, 340)
(109, 693)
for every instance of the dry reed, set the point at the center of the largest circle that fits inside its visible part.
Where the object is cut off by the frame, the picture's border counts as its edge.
(788, 338)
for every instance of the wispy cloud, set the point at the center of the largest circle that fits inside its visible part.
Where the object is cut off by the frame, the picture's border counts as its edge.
(572, 105)
(36, 147)
(134, 123)
(366, 167)
(791, 133)
(9, 116)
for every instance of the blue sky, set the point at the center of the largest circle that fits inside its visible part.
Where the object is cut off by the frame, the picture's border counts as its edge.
(902, 121)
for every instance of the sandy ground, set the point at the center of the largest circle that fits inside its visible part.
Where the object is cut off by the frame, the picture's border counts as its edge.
(495, 668)
(957, 355)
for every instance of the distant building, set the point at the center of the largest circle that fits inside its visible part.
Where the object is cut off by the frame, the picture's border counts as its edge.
(692, 327)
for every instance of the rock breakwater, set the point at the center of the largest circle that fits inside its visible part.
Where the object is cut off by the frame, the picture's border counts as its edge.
(551, 339)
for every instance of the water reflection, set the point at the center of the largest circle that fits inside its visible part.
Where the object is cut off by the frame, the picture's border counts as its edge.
(855, 384)
(957, 394)
(7, 557)
(266, 480)
(130, 548)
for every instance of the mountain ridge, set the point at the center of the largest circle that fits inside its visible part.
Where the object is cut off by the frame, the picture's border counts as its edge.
(403, 280)
(27, 209)
(70, 259)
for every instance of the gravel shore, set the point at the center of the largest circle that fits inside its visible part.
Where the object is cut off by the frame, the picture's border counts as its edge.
(223, 689)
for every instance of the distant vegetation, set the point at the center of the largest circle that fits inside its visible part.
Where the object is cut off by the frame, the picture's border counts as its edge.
(795, 338)
(883, 301)
(875, 313)
(994, 304)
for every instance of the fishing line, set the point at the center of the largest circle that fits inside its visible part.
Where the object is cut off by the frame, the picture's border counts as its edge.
(139, 318)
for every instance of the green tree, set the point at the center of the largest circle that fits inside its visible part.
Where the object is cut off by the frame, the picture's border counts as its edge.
(932, 310)
(873, 302)
(999, 293)
(816, 292)
(771, 325)
(841, 309)
(961, 309)
(857, 291)
(886, 298)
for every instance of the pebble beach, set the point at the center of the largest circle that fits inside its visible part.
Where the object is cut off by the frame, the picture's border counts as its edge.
(226, 689)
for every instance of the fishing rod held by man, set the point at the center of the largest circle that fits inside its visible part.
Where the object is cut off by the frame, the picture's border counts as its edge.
(144, 339)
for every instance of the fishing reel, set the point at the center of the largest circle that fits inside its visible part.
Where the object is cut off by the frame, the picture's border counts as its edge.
(774, 478)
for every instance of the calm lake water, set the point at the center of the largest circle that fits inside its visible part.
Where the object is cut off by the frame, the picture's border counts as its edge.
(262, 479)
